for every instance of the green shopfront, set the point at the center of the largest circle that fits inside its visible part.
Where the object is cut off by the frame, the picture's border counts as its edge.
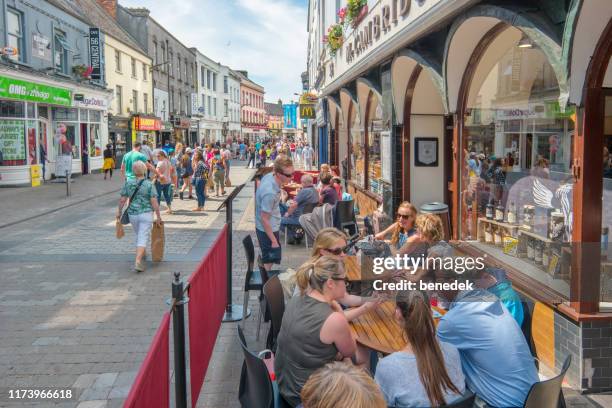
(43, 121)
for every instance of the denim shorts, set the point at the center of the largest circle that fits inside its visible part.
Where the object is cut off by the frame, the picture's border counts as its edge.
(269, 254)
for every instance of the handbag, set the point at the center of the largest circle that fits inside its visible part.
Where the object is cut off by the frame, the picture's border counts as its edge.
(125, 218)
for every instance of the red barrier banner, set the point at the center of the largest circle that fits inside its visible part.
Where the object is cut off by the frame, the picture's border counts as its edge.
(207, 301)
(151, 387)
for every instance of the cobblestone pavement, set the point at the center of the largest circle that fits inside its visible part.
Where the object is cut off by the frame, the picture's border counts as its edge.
(72, 312)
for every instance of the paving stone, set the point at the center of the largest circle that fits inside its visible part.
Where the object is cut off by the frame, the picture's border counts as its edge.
(92, 394)
(93, 404)
(85, 381)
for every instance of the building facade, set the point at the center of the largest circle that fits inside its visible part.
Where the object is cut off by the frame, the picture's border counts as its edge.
(274, 118)
(453, 92)
(252, 111)
(49, 105)
(231, 103)
(207, 99)
(127, 71)
(174, 74)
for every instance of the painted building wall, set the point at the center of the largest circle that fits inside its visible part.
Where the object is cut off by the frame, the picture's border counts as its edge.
(122, 76)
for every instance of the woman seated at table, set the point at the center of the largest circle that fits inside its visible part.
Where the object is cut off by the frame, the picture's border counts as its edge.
(314, 330)
(328, 194)
(427, 372)
(331, 242)
(403, 228)
(339, 385)
(429, 231)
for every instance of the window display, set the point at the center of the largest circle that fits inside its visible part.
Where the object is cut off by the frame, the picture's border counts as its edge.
(357, 148)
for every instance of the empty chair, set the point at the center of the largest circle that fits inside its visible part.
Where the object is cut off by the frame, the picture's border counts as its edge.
(256, 388)
(548, 393)
(253, 279)
(273, 293)
(345, 216)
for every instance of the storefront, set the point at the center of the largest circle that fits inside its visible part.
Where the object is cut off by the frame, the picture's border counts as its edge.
(145, 128)
(181, 126)
(502, 113)
(119, 135)
(93, 129)
(35, 118)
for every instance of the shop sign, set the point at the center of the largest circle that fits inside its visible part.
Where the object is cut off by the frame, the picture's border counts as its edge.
(12, 140)
(91, 102)
(180, 122)
(166, 127)
(30, 91)
(41, 47)
(307, 111)
(384, 20)
(94, 53)
(147, 124)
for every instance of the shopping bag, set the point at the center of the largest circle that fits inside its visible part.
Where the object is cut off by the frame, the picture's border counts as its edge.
(157, 242)
(119, 231)
(228, 183)
(210, 183)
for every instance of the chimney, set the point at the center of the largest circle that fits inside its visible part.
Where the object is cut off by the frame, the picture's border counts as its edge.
(110, 6)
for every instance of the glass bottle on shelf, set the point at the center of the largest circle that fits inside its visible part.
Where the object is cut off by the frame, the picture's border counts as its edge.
(537, 252)
(488, 231)
(512, 214)
(497, 237)
(545, 256)
(489, 210)
(499, 212)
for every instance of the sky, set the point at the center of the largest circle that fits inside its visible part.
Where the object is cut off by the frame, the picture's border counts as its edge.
(267, 38)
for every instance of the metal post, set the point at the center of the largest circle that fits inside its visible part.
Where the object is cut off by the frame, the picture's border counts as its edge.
(68, 192)
(178, 321)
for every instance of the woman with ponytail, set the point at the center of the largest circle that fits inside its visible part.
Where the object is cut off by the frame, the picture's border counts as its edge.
(427, 372)
(314, 330)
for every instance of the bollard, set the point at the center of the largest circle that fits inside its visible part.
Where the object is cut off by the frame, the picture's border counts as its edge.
(68, 183)
(178, 324)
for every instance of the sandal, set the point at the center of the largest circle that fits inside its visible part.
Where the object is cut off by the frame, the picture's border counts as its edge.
(139, 266)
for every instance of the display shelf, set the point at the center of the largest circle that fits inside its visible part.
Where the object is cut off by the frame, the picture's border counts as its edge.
(539, 237)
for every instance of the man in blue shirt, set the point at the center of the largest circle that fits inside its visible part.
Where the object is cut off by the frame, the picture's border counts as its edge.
(495, 357)
(267, 210)
(291, 215)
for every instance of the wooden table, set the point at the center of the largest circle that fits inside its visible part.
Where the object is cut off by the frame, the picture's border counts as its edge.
(379, 331)
(353, 269)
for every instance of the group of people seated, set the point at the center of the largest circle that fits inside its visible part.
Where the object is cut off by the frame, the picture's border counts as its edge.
(328, 191)
(477, 345)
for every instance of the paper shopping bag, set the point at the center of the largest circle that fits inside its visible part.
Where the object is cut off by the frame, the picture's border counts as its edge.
(119, 231)
(157, 242)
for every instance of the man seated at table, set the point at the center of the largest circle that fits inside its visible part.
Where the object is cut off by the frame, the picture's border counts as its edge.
(291, 214)
(495, 357)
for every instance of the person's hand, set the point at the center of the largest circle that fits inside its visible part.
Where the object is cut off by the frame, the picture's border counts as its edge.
(275, 244)
(336, 306)
(158, 221)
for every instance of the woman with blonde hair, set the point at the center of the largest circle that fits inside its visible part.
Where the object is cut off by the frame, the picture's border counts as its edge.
(332, 242)
(339, 385)
(429, 231)
(314, 330)
(403, 228)
(426, 372)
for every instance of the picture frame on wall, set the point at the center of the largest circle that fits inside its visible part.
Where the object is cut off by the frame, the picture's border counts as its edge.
(426, 152)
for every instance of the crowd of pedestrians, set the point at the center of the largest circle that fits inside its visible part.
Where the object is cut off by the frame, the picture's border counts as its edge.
(260, 153)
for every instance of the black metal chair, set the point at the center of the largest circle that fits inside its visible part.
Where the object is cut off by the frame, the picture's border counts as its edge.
(344, 216)
(273, 292)
(256, 389)
(466, 401)
(253, 279)
(548, 393)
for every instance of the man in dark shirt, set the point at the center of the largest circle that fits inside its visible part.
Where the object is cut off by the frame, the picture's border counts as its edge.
(291, 216)
(328, 194)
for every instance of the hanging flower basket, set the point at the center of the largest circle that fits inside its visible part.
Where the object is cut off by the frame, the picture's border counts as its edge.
(334, 38)
(356, 10)
(82, 71)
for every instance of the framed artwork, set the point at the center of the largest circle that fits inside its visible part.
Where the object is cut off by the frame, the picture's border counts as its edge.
(426, 152)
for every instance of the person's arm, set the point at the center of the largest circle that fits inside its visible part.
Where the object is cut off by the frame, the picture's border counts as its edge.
(383, 234)
(122, 202)
(411, 244)
(336, 331)
(155, 206)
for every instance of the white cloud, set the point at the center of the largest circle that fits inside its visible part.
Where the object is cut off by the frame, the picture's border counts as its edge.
(267, 38)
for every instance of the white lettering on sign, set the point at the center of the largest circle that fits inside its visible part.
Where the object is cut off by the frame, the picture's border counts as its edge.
(17, 90)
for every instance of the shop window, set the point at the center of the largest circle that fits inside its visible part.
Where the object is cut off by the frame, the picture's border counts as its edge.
(134, 101)
(379, 146)
(357, 148)
(117, 60)
(119, 99)
(214, 84)
(10, 109)
(94, 116)
(133, 63)
(95, 140)
(12, 142)
(145, 101)
(83, 115)
(606, 216)
(14, 32)
(516, 183)
(61, 52)
(66, 118)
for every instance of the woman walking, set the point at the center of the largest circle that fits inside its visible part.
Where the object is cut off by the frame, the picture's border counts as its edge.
(109, 161)
(218, 168)
(200, 174)
(142, 203)
(163, 183)
(251, 153)
(186, 173)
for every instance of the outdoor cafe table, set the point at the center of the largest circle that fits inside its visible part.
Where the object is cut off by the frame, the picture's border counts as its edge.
(378, 330)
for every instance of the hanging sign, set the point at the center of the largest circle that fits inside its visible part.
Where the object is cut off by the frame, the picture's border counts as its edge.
(94, 52)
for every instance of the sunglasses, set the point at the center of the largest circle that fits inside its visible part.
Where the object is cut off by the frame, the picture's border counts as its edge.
(285, 174)
(404, 216)
(345, 280)
(336, 251)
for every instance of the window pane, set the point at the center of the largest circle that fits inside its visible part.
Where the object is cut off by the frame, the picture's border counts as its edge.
(357, 147)
(12, 142)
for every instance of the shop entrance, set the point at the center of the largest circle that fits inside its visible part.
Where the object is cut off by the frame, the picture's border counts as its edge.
(85, 149)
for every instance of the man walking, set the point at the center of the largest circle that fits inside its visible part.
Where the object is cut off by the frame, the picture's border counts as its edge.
(267, 210)
(307, 155)
(132, 157)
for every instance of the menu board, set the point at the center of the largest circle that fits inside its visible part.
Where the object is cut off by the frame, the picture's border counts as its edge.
(12, 140)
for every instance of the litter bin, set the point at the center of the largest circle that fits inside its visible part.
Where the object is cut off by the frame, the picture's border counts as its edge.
(441, 210)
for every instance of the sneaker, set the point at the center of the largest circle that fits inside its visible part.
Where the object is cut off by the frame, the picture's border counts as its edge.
(181, 195)
(139, 266)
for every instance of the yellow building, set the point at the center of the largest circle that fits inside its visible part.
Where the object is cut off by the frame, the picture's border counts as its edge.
(127, 71)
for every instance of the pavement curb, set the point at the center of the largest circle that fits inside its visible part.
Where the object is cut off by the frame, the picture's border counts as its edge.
(10, 224)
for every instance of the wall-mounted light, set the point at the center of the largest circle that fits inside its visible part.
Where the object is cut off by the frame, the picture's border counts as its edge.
(525, 42)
